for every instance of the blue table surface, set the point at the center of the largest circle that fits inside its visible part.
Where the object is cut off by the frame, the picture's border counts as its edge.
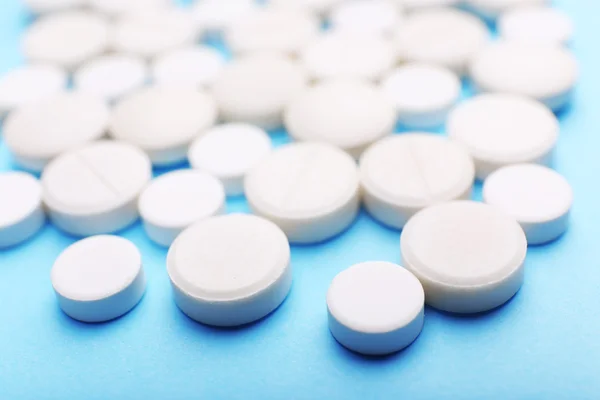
(543, 344)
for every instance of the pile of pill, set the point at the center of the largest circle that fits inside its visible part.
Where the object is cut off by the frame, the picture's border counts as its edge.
(371, 94)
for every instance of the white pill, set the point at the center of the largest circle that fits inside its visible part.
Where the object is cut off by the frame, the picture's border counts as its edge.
(443, 36)
(402, 174)
(216, 16)
(99, 278)
(117, 8)
(29, 84)
(371, 17)
(228, 152)
(491, 9)
(192, 67)
(469, 256)
(417, 5)
(349, 114)
(163, 121)
(545, 73)
(537, 25)
(310, 190)
(174, 201)
(94, 189)
(47, 6)
(272, 30)
(256, 89)
(348, 55)
(38, 132)
(230, 270)
(375, 308)
(423, 94)
(316, 7)
(111, 77)
(21, 211)
(504, 129)
(538, 197)
(67, 39)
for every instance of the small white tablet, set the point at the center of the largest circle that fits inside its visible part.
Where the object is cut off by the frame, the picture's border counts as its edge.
(423, 94)
(443, 36)
(176, 200)
(66, 39)
(538, 197)
(256, 89)
(94, 189)
(469, 256)
(545, 73)
(375, 308)
(99, 278)
(228, 152)
(537, 25)
(230, 270)
(417, 5)
(216, 16)
(163, 121)
(118, 8)
(366, 17)
(38, 7)
(38, 132)
(190, 67)
(21, 211)
(350, 114)
(111, 77)
(403, 174)
(310, 190)
(504, 129)
(492, 9)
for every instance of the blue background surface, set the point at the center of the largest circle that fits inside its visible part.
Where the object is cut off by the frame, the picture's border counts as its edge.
(545, 343)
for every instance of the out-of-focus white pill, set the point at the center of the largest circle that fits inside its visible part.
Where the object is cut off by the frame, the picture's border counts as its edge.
(417, 5)
(216, 16)
(367, 17)
(117, 8)
(491, 9)
(537, 25)
(320, 8)
(191, 67)
(39, 7)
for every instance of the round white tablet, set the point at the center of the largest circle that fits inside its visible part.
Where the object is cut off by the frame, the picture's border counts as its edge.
(375, 308)
(504, 129)
(191, 67)
(163, 121)
(272, 30)
(405, 173)
(94, 189)
(47, 6)
(491, 9)
(417, 5)
(38, 132)
(116, 8)
(310, 190)
(176, 200)
(111, 77)
(538, 197)
(443, 36)
(370, 17)
(67, 39)
(99, 278)
(349, 114)
(230, 270)
(469, 256)
(545, 73)
(256, 89)
(21, 211)
(536, 24)
(30, 84)
(349, 55)
(423, 94)
(228, 152)
(216, 16)
(319, 8)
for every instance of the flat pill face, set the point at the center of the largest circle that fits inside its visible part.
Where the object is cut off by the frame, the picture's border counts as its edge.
(378, 17)
(219, 15)
(23, 195)
(191, 67)
(537, 25)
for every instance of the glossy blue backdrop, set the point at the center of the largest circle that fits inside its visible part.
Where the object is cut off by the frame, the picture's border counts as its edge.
(545, 343)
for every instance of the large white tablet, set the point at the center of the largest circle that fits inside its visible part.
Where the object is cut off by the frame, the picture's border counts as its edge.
(190, 67)
(537, 25)
(368, 17)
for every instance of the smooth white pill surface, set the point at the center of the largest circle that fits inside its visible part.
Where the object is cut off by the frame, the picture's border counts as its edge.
(538, 197)
(491, 9)
(537, 25)
(256, 89)
(94, 189)
(310, 190)
(468, 256)
(417, 5)
(228, 152)
(99, 278)
(111, 77)
(230, 270)
(368, 17)
(443, 36)
(47, 6)
(21, 212)
(545, 73)
(116, 8)
(320, 8)
(38, 132)
(191, 67)
(423, 94)
(66, 39)
(176, 200)
(349, 114)
(216, 16)
(375, 308)
(504, 129)
(403, 174)
(163, 121)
